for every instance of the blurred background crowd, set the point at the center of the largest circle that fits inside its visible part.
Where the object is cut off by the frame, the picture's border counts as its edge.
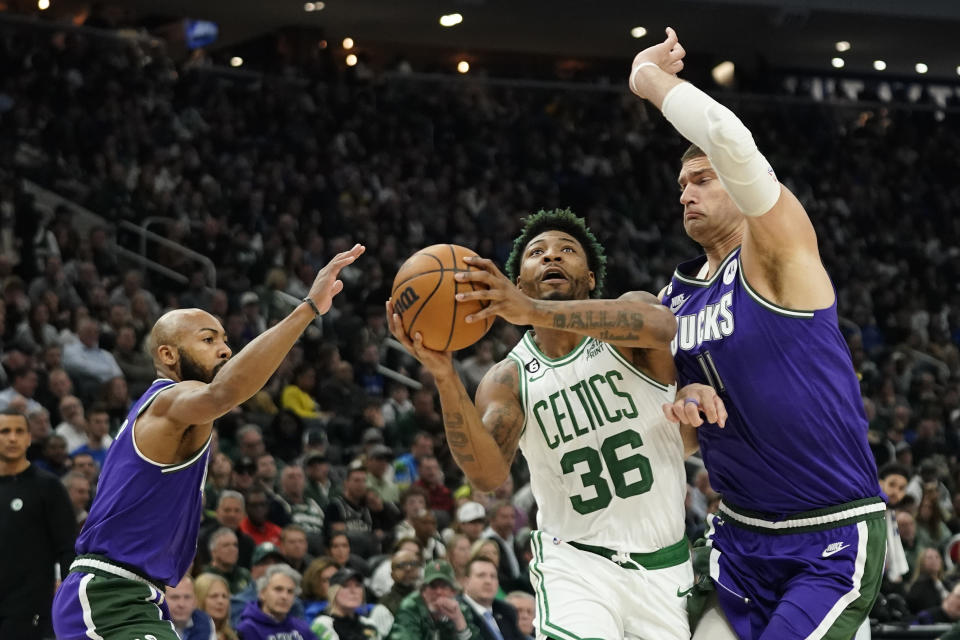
(336, 476)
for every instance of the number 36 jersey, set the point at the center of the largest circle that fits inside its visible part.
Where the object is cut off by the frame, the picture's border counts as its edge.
(795, 439)
(606, 468)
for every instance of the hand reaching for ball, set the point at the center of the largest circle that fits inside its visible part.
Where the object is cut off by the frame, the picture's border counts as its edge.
(439, 363)
(503, 297)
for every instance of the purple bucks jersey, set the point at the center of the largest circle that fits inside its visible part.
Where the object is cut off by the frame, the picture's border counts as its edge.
(796, 436)
(146, 514)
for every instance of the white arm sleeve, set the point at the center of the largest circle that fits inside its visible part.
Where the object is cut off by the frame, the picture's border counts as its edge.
(746, 174)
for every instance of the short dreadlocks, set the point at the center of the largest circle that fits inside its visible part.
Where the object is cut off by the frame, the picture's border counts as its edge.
(566, 221)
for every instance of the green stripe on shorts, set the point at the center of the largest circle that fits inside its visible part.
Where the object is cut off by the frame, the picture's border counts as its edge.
(115, 607)
(547, 628)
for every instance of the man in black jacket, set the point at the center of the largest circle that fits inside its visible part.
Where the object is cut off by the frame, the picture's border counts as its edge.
(497, 619)
(37, 530)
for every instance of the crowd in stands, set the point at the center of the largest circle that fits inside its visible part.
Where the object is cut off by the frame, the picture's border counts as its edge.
(331, 496)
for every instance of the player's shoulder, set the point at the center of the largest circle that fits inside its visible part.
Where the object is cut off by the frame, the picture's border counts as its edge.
(504, 373)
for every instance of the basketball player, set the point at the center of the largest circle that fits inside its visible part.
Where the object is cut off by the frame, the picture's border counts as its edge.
(798, 541)
(141, 533)
(581, 395)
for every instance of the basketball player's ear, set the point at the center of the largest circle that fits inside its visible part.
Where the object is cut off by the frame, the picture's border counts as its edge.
(593, 280)
(168, 355)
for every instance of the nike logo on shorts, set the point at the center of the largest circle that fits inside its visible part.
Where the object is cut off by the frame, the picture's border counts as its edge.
(835, 547)
(683, 594)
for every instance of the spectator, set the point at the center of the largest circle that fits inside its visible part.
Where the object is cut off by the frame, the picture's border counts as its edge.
(85, 464)
(136, 365)
(424, 417)
(250, 442)
(213, 598)
(54, 458)
(24, 385)
(316, 585)
(384, 516)
(502, 518)
(439, 498)
(458, 555)
(224, 553)
(340, 620)
(893, 482)
(256, 524)
(526, 606)
(435, 611)
(338, 549)
(270, 616)
(413, 501)
(348, 513)
(73, 429)
(318, 486)
(293, 547)
(381, 580)
(98, 440)
(264, 556)
(37, 529)
(947, 612)
(78, 488)
(407, 466)
(931, 530)
(132, 288)
(405, 567)
(926, 590)
(88, 364)
(298, 395)
(396, 405)
(189, 621)
(378, 478)
(480, 593)
(58, 387)
(218, 479)
(474, 367)
(471, 520)
(908, 537)
(425, 531)
(301, 510)
(38, 422)
(230, 513)
(36, 332)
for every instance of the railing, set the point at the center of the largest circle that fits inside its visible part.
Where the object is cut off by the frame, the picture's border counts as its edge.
(145, 234)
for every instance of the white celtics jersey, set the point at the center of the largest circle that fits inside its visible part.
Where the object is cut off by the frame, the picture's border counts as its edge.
(606, 467)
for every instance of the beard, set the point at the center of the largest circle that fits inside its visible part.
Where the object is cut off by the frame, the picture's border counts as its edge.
(190, 369)
(579, 289)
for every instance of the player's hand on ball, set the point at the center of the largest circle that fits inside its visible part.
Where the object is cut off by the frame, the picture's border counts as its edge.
(327, 285)
(668, 55)
(694, 402)
(437, 362)
(504, 298)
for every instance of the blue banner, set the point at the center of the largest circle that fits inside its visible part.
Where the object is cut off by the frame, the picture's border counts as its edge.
(200, 33)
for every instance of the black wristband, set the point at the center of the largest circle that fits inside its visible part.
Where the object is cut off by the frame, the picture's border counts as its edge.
(313, 305)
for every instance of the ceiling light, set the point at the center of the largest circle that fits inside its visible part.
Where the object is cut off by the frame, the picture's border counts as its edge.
(837, 63)
(879, 65)
(463, 66)
(958, 71)
(319, 6)
(450, 20)
(723, 73)
(236, 61)
(638, 32)
(43, 5)
(921, 67)
(348, 43)
(351, 60)
(842, 46)
(309, 6)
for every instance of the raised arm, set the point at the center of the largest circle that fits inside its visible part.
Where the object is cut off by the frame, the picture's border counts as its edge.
(483, 438)
(635, 320)
(191, 402)
(779, 250)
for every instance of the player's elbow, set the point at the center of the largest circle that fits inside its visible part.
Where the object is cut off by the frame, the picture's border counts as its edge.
(662, 326)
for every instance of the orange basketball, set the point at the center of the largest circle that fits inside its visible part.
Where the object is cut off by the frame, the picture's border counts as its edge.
(423, 295)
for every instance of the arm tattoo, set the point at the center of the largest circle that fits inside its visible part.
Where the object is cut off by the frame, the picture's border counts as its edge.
(619, 325)
(457, 437)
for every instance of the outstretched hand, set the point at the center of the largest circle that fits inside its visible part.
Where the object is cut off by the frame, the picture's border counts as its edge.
(694, 402)
(327, 284)
(667, 55)
(505, 299)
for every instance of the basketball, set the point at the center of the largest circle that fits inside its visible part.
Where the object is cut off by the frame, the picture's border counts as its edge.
(423, 296)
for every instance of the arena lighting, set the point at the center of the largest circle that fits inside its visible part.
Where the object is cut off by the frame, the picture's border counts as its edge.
(451, 20)
(723, 73)
(638, 32)
(842, 46)
(348, 43)
(879, 65)
(837, 63)
(236, 61)
(958, 71)
(463, 66)
(921, 67)
(43, 5)
(309, 6)
(351, 60)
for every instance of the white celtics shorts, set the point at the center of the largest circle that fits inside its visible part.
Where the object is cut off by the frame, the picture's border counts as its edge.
(584, 595)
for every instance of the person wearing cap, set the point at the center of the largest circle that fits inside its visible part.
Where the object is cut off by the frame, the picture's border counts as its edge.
(378, 464)
(264, 556)
(471, 520)
(340, 620)
(253, 322)
(317, 467)
(434, 611)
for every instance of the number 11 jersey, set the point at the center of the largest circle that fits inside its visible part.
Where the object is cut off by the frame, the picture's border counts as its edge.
(606, 468)
(795, 439)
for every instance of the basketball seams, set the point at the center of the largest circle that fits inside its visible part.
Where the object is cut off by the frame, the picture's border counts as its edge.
(456, 303)
(423, 305)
